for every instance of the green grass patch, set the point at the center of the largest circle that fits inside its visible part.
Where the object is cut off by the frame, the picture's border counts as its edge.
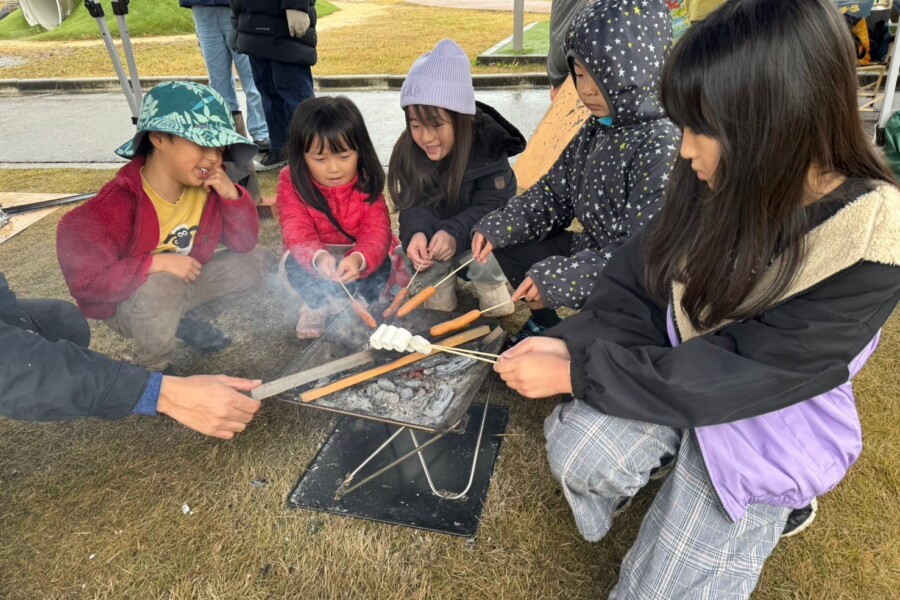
(536, 41)
(146, 18)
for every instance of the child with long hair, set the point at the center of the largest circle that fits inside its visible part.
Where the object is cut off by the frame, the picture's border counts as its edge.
(449, 168)
(611, 176)
(728, 332)
(334, 220)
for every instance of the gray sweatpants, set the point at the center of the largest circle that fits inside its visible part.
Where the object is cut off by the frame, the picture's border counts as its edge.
(687, 547)
(151, 315)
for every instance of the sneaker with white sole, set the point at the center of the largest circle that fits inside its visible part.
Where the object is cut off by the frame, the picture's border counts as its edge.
(273, 159)
(800, 519)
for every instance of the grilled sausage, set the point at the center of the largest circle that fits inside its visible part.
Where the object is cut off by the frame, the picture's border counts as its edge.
(457, 323)
(417, 301)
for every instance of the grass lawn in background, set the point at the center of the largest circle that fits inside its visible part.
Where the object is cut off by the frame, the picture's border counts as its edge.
(93, 508)
(535, 41)
(387, 43)
(146, 18)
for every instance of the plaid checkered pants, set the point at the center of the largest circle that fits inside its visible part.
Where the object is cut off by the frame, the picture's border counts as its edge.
(687, 547)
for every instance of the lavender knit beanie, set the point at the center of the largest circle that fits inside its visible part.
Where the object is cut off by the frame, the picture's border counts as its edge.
(443, 78)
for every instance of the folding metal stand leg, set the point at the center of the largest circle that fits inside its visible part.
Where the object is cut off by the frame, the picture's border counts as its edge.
(132, 91)
(346, 488)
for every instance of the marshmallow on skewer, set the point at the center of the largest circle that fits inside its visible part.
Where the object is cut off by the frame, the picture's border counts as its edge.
(420, 345)
(375, 338)
(400, 339)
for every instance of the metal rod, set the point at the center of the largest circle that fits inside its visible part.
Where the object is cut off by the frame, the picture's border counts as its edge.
(342, 492)
(351, 476)
(129, 57)
(447, 495)
(454, 271)
(96, 11)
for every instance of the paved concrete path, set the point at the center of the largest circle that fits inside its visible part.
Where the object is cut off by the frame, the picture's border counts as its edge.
(82, 130)
(535, 6)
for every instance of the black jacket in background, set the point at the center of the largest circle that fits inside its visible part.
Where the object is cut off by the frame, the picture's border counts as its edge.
(489, 182)
(261, 30)
(49, 381)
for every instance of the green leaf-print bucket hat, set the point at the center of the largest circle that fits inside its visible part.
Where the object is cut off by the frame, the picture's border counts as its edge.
(193, 111)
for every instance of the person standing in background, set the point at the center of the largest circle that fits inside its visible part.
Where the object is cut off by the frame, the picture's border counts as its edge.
(562, 12)
(212, 19)
(279, 36)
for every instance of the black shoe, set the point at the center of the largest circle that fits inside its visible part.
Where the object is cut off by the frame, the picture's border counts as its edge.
(665, 466)
(800, 519)
(529, 329)
(263, 145)
(202, 336)
(273, 159)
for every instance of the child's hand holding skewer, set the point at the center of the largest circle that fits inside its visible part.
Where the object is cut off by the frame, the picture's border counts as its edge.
(349, 268)
(537, 367)
(325, 264)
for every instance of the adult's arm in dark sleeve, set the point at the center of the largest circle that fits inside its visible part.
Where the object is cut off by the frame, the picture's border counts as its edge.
(10, 311)
(50, 381)
(786, 355)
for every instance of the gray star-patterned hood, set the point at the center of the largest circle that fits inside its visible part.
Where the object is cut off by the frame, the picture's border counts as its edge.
(623, 43)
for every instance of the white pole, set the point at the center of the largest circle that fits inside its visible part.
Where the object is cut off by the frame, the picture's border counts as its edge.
(518, 24)
(890, 87)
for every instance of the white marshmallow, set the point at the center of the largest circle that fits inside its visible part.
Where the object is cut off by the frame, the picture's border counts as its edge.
(400, 340)
(375, 338)
(420, 345)
(386, 337)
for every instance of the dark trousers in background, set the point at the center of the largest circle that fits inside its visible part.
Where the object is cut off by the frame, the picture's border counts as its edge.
(282, 86)
(316, 291)
(517, 260)
(58, 320)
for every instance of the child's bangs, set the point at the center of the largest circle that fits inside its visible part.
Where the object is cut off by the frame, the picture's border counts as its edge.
(332, 135)
(682, 95)
(430, 116)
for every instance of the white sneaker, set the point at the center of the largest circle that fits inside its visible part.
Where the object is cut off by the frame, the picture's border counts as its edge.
(493, 296)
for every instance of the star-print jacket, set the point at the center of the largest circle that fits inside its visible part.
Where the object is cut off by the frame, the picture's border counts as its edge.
(487, 184)
(610, 178)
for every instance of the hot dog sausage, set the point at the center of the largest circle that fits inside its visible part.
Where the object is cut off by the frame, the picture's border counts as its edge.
(457, 323)
(363, 314)
(398, 300)
(417, 301)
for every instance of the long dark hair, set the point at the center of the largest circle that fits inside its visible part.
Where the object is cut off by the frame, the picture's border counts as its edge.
(413, 180)
(774, 82)
(334, 123)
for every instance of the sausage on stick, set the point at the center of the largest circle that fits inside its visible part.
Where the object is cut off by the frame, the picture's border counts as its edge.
(420, 298)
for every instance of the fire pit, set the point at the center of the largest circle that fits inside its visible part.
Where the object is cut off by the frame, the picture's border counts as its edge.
(434, 396)
(431, 395)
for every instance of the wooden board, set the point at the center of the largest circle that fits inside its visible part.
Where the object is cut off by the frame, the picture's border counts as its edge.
(563, 120)
(18, 223)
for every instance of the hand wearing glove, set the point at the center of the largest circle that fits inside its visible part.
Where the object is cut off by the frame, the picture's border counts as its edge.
(298, 22)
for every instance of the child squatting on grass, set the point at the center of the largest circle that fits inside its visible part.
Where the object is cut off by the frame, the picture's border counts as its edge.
(610, 177)
(449, 168)
(334, 220)
(142, 255)
(728, 332)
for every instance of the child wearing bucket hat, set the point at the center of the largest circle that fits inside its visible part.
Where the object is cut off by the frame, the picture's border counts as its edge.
(141, 255)
(449, 168)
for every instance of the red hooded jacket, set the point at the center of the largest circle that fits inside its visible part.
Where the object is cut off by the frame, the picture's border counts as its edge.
(104, 246)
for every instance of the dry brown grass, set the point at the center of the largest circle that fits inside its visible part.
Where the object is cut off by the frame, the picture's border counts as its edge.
(115, 490)
(386, 44)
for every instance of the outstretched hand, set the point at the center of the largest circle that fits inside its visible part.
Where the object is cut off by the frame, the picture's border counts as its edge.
(210, 404)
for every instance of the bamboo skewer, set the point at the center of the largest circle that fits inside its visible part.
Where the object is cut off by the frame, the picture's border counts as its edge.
(455, 271)
(478, 352)
(464, 354)
(498, 306)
